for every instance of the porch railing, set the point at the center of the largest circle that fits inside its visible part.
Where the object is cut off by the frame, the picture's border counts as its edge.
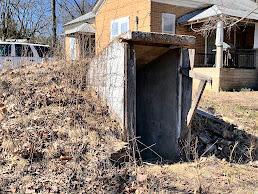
(240, 58)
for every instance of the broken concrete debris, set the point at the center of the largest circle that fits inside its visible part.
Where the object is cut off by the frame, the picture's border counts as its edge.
(222, 139)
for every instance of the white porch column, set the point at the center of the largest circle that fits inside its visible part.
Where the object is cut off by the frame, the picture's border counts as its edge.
(219, 44)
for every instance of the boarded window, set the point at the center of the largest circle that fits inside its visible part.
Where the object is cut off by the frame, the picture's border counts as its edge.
(168, 23)
(5, 50)
(119, 26)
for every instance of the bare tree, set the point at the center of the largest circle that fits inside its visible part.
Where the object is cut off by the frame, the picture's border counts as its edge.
(54, 25)
(74, 8)
(7, 26)
(24, 18)
(32, 17)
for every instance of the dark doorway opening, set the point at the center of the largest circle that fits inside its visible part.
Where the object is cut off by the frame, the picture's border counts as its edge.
(157, 102)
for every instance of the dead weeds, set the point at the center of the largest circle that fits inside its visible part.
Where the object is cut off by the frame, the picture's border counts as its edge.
(57, 137)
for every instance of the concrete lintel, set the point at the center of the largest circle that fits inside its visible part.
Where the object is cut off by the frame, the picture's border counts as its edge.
(158, 39)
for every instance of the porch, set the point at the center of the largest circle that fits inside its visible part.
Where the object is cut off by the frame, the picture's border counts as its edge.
(79, 41)
(238, 49)
(228, 53)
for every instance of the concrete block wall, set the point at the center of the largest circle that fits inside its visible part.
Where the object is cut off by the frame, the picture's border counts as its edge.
(148, 97)
(106, 76)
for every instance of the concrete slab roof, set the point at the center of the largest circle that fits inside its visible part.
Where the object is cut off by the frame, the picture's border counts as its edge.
(162, 39)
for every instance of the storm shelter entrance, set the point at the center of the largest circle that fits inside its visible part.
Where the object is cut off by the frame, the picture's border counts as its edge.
(157, 113)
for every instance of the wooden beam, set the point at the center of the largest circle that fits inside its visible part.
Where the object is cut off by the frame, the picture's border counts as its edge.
(200, 76)
(191, 57)
(196, 101)
(130, 92)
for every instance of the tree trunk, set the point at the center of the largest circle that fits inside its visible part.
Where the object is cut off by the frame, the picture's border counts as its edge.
(54, 27)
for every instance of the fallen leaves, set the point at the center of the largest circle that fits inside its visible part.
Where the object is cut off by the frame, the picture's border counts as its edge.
(53, 131)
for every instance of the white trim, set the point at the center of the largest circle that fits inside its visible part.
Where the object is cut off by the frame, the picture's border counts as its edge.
(217, 10)
(97, 6)
(119, 22)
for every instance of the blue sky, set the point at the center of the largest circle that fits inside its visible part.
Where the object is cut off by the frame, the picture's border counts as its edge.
(60, 24)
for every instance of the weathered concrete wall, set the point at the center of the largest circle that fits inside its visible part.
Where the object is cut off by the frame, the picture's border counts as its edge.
(106, 75)
(139, 78)
(157, 105)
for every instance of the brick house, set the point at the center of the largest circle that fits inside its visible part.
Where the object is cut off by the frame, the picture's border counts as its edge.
(235, 64)
(80, 37)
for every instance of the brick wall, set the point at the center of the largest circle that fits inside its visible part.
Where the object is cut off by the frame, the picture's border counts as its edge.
(115, 9)
(224, 79)
(156, 23)
(150, 19)
(156, 15)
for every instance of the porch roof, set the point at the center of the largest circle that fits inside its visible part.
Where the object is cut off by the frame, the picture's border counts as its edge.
(217, 10)
(80, 28)
(83, 18)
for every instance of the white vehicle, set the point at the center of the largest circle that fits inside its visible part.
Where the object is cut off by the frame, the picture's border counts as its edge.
(15, 53)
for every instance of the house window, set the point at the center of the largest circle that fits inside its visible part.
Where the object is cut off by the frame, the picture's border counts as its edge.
(119, 26)
(168, 23)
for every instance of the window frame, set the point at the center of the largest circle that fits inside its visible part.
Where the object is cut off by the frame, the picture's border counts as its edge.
(171, 16)
(42, 51)
(120, 22)
(25, 51)
(7, 50)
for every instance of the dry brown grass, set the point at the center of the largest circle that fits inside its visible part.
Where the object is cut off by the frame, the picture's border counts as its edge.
(215, 176)
(57, 137)
(240, 108)
(55, 134)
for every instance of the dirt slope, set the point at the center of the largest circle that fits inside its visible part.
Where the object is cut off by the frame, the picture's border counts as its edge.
(57, 137)
(53, 135)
